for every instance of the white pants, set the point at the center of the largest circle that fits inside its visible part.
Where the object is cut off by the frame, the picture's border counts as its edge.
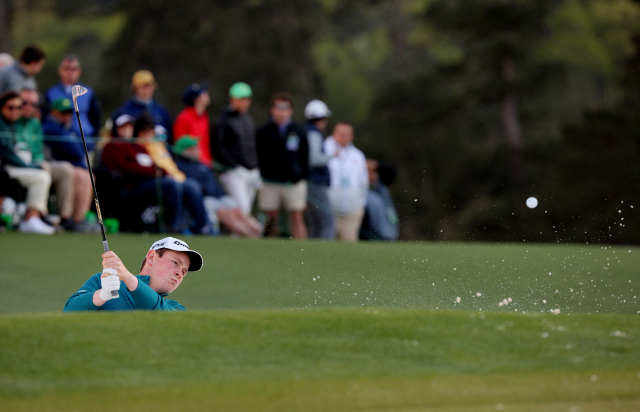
(36, 181)
(241, 184)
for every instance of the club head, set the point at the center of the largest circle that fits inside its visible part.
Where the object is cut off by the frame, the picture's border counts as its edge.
(78, 90)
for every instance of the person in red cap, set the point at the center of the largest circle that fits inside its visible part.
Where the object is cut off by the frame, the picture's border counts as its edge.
(163, 270)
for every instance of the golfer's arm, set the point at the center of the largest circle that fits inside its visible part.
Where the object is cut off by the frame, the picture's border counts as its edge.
(83, 299)
(148, 299)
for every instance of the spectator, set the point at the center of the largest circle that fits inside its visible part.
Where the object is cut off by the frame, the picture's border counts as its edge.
(194, 120)
(143, 86)
(29, 132)
(140, 163)
(380, 218)
(35, 180)
(221, 208)
(283, 156)
(6, 60)
(66, 146)
(234, 145)
(20, 75)
(319, 218)
(349, 182)
(69, 71)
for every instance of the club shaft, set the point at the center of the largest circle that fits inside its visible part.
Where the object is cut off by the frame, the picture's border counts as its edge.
(105, 245)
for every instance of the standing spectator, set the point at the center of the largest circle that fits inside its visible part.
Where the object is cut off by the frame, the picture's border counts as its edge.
(234, 145)
(69, 71)
(35, 180)
(194, 120)
(319, 216)
(380, 218)
(349, 182)
(29, 132)
(20, 75)
(283, 155)
(143, 86)
(221, 208)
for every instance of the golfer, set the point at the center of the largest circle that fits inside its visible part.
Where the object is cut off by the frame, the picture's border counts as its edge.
(162, 271)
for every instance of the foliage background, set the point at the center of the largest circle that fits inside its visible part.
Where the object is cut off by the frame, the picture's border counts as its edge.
(478, 103)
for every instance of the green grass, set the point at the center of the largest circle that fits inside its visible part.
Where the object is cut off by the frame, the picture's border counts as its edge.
(321, 359)
(262, 334)
(39, 273)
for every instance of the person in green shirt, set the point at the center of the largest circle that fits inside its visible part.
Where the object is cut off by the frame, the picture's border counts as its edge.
(28, 137)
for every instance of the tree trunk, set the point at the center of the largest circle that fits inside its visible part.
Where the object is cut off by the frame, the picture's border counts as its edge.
(510, 120)
(5, 35)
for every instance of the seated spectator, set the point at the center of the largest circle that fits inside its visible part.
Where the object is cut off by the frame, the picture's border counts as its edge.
(221, 207)
(20, 75)
(35, 180)
(143, 86)
(283, 156)
(67, 146)
(194, 120)
(349, 182)
(380, 218)
(69, 71)
(141, 162)
(29, 133)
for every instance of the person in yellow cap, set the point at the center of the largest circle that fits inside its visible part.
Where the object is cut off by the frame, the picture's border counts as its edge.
(143, 87)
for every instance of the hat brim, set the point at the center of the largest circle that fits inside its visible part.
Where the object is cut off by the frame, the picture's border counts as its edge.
(195, 260)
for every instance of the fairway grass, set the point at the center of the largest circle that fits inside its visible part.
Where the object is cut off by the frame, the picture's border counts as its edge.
(39, 273)
(321, 359)
(278, 325)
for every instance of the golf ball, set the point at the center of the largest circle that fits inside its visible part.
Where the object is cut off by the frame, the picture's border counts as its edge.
(532, 202)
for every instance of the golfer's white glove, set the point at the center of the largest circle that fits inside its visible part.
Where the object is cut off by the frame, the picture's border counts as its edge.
(109, 284)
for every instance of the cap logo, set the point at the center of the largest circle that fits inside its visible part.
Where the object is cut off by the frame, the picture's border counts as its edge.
(180, 244)
(157, 245)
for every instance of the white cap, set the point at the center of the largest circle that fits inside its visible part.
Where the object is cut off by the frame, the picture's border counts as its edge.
(124, 118)
(316, 109)
(178, 245)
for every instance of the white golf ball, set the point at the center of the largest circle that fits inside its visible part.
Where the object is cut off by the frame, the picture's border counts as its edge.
(532, 202)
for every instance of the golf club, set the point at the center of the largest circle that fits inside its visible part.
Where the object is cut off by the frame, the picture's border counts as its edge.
(77, 91)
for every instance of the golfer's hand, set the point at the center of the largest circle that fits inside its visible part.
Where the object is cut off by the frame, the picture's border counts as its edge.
(109, 283)
(111, 261)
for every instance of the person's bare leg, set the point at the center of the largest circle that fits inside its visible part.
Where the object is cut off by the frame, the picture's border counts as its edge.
(31, 213)
(250, 221)
(230, 220)
(82, 194)
(298, 228)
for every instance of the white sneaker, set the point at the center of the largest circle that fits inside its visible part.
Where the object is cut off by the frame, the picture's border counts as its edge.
(36, 225)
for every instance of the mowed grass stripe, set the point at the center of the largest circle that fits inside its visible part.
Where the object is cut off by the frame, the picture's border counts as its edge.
(39, 273)
(42, 353)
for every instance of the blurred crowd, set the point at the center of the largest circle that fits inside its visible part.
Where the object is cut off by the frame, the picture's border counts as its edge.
(188, 175)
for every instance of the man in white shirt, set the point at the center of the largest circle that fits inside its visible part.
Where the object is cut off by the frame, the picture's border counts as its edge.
(349, 182)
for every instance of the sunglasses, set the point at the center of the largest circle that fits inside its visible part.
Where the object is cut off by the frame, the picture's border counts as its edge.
(282, 106)
(14, 107)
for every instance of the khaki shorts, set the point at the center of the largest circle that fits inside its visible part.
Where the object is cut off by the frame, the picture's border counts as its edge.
(293, 196)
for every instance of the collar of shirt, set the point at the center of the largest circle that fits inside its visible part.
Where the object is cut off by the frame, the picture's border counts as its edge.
(282, 128)
(67, 88)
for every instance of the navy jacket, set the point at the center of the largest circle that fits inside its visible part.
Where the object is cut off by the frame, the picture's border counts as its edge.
(283, 158)
(63, 142)
(134, 107)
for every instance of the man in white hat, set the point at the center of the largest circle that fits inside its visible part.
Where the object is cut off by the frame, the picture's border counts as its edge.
(318, 216)
(162, 271)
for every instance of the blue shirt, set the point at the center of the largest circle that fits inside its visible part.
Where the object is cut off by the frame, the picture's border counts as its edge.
(64, 143)
(135, 108)
(88, 107)
(143, 298)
